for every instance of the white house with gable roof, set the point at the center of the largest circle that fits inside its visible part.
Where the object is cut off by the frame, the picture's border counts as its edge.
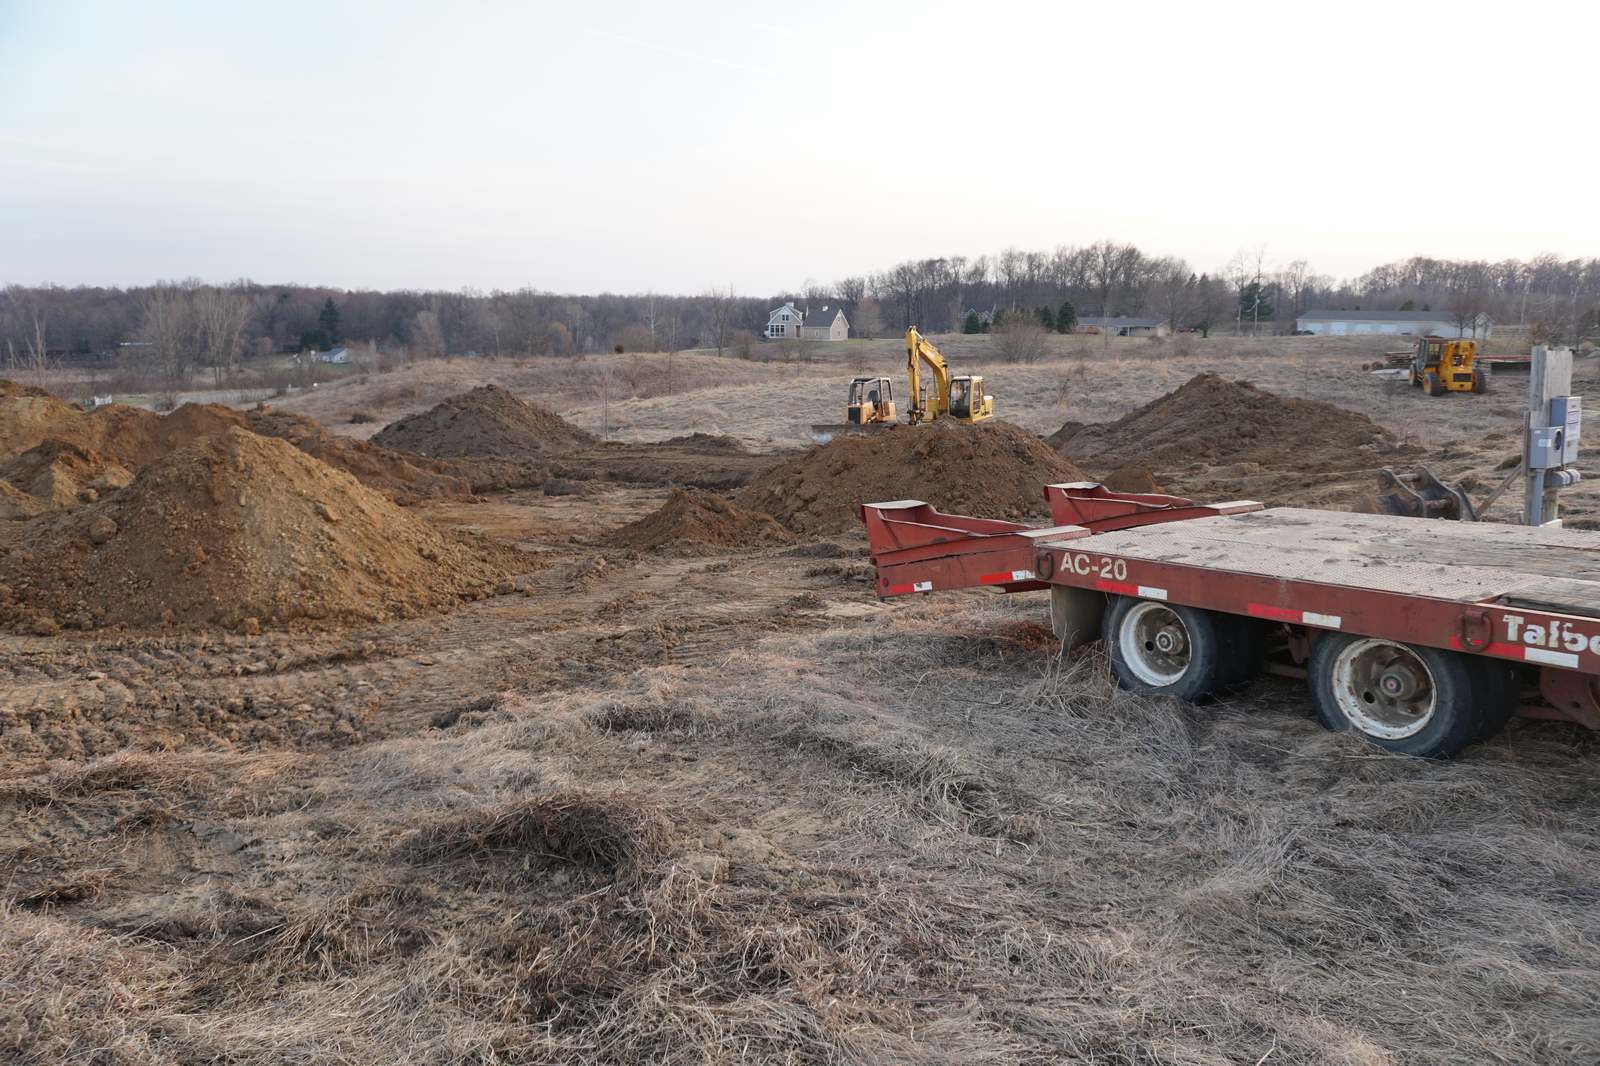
(791, 323)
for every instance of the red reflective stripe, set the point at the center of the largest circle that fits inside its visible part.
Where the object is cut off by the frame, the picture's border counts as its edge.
(1282, 614)
(1119, 589)
(1506, 651)
(995, 579)
(895, 590)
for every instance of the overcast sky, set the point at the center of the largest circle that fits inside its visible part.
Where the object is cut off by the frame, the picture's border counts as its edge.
(625, 146)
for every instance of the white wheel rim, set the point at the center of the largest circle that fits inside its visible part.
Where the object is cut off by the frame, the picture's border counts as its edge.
(1155, 643)
(1384, 689)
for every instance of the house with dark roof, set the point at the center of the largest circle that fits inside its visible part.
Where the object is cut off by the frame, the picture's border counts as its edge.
(822, 324)
(1405, 323)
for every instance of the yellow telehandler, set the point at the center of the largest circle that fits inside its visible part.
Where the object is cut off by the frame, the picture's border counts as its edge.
(1442, 366)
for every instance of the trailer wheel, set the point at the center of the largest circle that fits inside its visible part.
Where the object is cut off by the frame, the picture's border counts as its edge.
(1166, 648)
(1501, 686)
(1404, 697)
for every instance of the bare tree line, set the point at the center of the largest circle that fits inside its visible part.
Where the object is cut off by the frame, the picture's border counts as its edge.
(177, 330)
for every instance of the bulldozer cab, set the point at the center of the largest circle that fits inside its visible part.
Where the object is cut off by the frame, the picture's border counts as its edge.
(1442, 366)
(871, 400)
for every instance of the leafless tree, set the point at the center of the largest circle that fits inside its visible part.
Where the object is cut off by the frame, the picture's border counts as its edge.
(221, 317)
(868, 320)
(718, 306)
(1020, 338)
(427, 336)
(169, 326)
(651, 314)
(1466, 308)
(33, 363)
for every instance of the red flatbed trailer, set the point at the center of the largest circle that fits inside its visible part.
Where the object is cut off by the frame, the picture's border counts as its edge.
(1423, 634)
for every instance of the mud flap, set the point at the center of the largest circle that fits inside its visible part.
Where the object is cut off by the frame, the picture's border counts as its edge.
(1075, 614)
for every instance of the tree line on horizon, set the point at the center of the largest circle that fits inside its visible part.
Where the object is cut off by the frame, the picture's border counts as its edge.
(180, 327)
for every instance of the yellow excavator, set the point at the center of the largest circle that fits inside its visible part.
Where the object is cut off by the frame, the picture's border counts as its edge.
(957, 396)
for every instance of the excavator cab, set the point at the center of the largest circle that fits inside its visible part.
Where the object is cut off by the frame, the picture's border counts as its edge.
(871, 400)
(961, 391)
(1442, 366)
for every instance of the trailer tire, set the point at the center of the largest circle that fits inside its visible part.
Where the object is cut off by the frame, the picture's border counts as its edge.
(1501, 686)
(1167, 649)
(1407, 698)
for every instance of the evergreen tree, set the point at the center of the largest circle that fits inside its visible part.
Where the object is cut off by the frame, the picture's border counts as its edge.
(1253, 304)
(1066, 317)
(1409, 305)
(973, 324)
(329, 318)
(1047, 318)
(315, 340)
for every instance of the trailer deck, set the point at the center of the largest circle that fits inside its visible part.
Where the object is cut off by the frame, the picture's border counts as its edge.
(1530, 595)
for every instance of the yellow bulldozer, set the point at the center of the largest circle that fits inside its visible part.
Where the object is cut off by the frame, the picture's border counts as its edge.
(1442, 366)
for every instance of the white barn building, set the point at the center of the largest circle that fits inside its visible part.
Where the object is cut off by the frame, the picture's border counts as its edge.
(1404, 323)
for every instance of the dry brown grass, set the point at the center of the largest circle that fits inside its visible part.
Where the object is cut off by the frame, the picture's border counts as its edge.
(924, 840)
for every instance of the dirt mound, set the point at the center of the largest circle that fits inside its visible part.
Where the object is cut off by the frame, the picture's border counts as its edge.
(405, 476)
(990, 470)
(61, 474)
(708, 519)
(28, 415)
(1211, 419)
(486, 423)
(1131, 479)
(229, 528)
(127, 436)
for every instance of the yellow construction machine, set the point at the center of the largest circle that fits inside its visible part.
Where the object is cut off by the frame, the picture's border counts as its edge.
(957, 396)
(1442, 366)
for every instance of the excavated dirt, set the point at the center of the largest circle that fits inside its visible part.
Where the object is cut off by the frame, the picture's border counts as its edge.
(710, 520)
(58, 474)
(128, 436)
(1131, 479)
(701, 460)
(1216, 420)
(406, 477)
(486, 423)
(230, 528)
(990, 470)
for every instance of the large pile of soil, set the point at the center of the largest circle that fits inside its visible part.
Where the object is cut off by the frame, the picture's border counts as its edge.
(406, 477)
(127, 436)
(233, 527)
(486, 423)
(989, 470)
(708, 519)
(1213, 420)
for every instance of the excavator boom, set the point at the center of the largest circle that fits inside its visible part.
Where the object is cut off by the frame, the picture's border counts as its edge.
(958, 396)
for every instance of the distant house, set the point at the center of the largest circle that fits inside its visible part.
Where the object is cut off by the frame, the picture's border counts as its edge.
(789, 322)
(1124, 327)
(1404, 323)
(335, 355)
(985, 313)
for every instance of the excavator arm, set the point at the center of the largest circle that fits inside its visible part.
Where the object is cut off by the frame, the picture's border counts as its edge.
(964, 391)
(918, 350)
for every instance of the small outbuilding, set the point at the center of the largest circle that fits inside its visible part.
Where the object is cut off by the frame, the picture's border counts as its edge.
(1125, 327)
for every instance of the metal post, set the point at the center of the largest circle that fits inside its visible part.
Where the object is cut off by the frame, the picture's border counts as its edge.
(1550, 376)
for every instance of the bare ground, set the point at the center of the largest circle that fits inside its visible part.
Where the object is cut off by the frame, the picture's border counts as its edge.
(689, 806)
